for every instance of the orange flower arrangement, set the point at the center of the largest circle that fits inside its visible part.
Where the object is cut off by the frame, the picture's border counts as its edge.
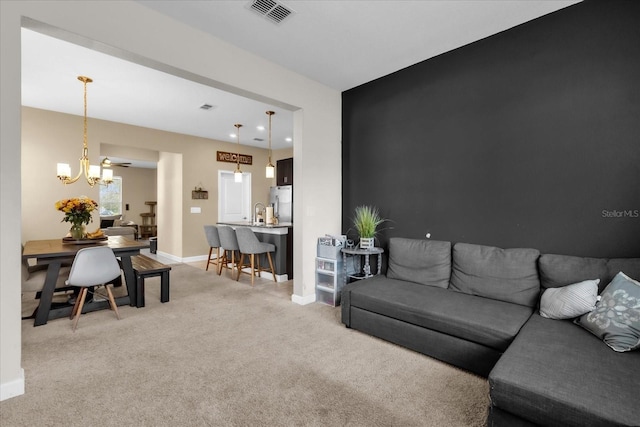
(77, 210)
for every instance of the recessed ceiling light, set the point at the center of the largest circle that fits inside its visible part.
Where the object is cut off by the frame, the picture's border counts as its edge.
(232, 135)
(260, 127)
(288, 139)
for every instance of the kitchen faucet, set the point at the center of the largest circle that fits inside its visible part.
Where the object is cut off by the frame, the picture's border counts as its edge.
(256, 212)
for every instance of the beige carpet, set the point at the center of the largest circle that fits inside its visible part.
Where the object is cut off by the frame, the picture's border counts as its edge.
(221, 353)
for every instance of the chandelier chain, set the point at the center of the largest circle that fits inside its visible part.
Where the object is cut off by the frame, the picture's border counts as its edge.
(91, 173)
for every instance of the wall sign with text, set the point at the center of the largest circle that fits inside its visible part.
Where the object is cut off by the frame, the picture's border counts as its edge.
(223, 156)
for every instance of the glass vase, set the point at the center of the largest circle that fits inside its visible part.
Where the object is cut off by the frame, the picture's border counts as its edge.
(77, 231)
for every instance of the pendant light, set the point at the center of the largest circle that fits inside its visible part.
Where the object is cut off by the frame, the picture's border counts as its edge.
(270, 169)
(237, 175)
(91, 172)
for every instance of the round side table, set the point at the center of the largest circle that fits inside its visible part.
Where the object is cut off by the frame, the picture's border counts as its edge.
(366, 268)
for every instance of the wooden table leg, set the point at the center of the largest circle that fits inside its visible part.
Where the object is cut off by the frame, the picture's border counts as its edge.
(140, 291)
(47, 293)
(164, 284)
(130, 279)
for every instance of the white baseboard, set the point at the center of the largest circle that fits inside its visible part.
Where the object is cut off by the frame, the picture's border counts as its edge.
(279, 277)
(12, 388)
(303, 300)
(195, 258)
(169, 256)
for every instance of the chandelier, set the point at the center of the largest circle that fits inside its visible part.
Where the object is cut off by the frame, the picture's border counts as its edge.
(91, 172)
(270, 169)
(237, 175)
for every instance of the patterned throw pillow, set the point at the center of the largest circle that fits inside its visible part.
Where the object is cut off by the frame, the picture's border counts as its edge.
(616, 319)
(569, 301)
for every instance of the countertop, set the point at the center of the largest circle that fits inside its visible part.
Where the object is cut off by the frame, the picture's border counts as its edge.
(280, 228)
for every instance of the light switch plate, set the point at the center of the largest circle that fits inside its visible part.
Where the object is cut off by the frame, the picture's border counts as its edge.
(195, 209)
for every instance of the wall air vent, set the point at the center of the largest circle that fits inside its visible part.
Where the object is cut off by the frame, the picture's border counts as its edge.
(272, 10)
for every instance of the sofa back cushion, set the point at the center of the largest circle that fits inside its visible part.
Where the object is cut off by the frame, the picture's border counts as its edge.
(427, 262)
(503, 274)
(563, 270)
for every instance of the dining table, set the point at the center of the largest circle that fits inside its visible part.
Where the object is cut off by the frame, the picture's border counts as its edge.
(55, 252)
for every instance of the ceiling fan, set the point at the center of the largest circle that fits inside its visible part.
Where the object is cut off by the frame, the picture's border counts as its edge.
(107, 163)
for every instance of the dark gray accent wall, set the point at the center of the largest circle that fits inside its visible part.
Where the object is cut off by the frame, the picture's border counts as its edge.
(528, 138)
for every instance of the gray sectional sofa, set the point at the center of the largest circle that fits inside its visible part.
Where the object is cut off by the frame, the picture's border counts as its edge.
(476, 307)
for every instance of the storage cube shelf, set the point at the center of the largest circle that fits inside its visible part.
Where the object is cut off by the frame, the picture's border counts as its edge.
(329, 280)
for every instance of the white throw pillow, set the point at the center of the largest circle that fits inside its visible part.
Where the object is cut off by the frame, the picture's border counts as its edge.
(569, 301)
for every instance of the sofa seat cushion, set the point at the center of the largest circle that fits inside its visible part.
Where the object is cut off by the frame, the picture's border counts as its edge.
(480, 320)
(509, 275)
(557, 374)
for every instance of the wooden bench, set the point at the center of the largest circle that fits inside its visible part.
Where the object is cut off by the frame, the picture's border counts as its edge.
(144, 267)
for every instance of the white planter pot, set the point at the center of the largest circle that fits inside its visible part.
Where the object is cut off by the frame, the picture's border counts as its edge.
(367, 242)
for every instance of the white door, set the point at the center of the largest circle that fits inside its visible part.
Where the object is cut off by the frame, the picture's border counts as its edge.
(234, 198)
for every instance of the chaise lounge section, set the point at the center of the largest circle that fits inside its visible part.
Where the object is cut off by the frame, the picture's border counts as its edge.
(558, 374)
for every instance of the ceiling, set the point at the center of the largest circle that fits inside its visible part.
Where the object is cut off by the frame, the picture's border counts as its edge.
(344, 44)
(341, 44)
(125, 92)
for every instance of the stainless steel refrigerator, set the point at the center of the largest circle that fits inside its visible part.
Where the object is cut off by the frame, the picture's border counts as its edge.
(281, 197)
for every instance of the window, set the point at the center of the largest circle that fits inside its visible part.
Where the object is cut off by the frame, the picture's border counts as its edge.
(111, 198)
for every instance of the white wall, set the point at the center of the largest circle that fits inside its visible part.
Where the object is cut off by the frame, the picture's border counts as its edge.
(130, 27)
(11, 373)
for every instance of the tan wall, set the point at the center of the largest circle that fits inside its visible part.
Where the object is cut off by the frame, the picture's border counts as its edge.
(111, 150)
(284, 153)
(49, 137)
(138, 186)
(170, 195)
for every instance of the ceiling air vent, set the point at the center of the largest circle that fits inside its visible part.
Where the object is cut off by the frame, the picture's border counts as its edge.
(258, 139)
(272, 10)
(206, 107)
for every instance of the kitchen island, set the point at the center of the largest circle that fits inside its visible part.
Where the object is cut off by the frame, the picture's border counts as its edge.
(281, 235)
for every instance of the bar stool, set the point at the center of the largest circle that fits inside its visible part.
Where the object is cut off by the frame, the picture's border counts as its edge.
(250, 245)
(213, 238)
(229, 243)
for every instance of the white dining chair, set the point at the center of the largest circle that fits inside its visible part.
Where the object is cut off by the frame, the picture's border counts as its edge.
(93, 267)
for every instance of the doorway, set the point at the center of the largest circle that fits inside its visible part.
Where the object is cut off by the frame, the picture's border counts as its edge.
(234, 198)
